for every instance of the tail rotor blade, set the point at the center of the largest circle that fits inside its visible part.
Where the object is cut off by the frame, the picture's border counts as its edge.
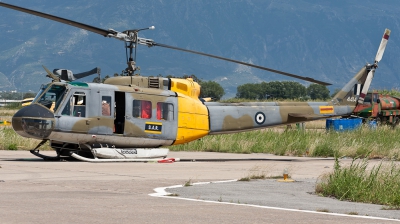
(367, 83)
(382, 46)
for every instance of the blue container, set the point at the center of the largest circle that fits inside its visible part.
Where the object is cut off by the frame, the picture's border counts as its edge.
(343, 124)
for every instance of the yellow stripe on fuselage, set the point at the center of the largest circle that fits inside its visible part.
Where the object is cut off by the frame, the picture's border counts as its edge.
(326, 110)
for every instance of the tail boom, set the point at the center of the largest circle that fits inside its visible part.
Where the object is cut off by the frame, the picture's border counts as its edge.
(232, 118)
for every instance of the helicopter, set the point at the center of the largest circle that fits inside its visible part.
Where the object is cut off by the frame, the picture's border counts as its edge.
(131, 117)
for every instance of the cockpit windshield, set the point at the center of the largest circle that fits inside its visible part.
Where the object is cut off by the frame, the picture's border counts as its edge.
(50, 96)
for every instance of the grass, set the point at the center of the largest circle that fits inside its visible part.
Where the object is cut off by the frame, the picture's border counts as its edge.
(255, 173)
(356, 182)
(9, 140)
(244, 179)
(323, 210)
(382, 142)
(391, 208)
(188, 183)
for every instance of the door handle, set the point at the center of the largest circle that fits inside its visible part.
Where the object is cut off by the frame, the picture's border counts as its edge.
(87, 122)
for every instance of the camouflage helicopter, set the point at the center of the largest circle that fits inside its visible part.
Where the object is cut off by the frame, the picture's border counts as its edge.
(129, 118)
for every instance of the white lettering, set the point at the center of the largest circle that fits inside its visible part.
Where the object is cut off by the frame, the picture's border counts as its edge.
(153, 127)
(351, 99)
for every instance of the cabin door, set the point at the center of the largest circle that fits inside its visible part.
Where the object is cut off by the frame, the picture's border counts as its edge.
(73, 115)
(119, 112)
(150, 116)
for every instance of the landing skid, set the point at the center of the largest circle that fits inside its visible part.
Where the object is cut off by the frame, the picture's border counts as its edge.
(97, 160)
(35, 152)
(44, 157)
(111, 154)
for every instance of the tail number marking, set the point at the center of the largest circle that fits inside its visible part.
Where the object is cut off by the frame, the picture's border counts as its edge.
(351, 99)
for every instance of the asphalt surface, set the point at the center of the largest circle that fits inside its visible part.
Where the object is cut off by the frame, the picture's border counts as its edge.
(34, 191)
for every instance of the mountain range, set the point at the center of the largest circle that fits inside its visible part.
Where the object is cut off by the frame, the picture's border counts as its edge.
(326, 40)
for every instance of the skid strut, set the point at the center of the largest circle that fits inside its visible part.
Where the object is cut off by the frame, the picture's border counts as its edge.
(35, 152)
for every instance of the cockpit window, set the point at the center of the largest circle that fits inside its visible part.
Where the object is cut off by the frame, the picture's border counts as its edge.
(368, 98)
(50, 96)
(76, 106)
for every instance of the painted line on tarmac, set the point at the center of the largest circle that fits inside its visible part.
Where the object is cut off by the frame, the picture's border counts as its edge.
(162, 193)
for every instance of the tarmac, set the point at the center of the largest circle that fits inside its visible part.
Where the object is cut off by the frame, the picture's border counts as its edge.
(35, 191)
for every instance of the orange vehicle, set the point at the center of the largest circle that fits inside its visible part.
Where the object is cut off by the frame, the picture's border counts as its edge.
(384, 109)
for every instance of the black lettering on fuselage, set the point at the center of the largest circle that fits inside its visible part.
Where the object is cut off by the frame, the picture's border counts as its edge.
(128, 151)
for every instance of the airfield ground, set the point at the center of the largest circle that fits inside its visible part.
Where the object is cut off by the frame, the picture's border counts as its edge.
(34, 191)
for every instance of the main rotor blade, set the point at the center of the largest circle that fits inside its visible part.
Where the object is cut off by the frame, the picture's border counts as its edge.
(382, 46)
(148, 42)
(244, 63)
(59, 19)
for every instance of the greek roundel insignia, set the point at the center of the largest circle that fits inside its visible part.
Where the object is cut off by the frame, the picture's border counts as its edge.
(260, 117)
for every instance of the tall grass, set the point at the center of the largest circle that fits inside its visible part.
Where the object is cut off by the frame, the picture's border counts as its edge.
(379, 185)
(9, 140)
(381, 143)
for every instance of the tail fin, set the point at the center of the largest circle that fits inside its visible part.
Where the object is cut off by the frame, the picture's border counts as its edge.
(355, 90)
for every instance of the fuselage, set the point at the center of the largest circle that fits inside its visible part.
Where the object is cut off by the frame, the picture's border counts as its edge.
(132, 116)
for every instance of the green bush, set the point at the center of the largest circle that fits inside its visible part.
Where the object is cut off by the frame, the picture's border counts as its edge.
(324, 150)
(379, 185)
(12, 146)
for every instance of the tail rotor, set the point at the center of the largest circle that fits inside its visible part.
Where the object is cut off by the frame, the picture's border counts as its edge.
(373, 67)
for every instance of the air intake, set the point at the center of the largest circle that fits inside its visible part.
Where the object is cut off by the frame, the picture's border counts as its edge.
(154, 82)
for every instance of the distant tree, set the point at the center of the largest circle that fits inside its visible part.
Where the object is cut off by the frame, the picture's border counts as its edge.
(104, 79)
(252, 91)
(317, 91)
(211, 89)
(275, 89)
(293, 90)
(96, 80)
(29, 95)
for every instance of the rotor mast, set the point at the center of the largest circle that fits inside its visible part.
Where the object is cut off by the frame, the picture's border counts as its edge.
(132, 43)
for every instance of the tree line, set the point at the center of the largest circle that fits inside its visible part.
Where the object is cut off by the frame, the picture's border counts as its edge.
(282, 90)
